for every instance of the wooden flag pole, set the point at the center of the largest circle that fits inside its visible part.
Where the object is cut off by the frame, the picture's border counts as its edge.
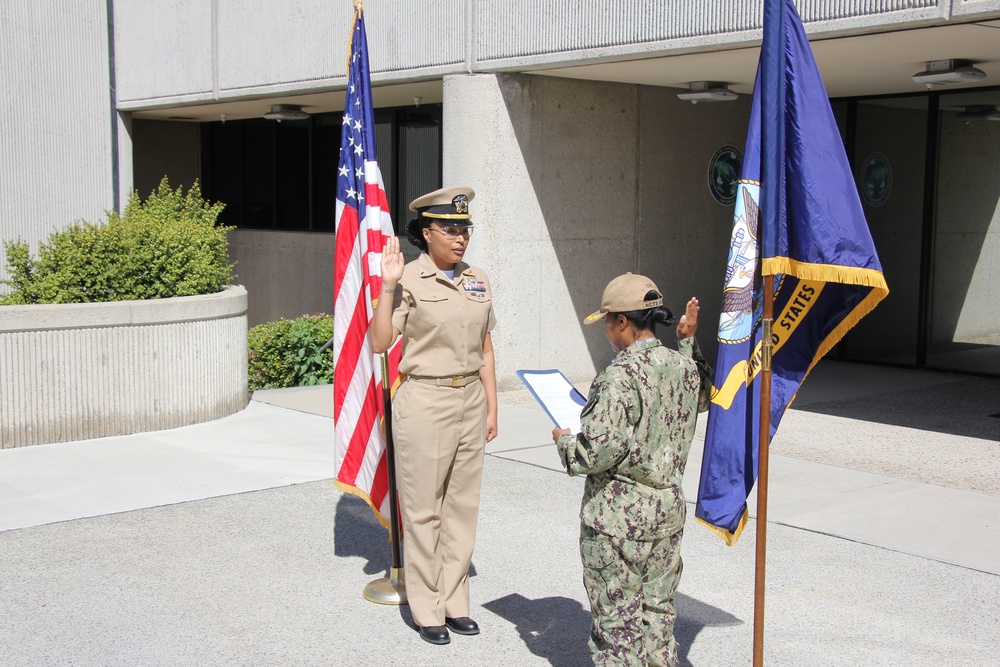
(772, 178)
(764, 444)
(391, 589)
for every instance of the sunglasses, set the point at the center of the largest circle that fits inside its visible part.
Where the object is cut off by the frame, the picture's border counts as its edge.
(454, 231)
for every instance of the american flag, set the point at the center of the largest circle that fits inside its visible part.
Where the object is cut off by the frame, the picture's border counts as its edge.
(363, 224)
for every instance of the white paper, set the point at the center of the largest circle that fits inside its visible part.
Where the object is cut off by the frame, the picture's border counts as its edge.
(560, 399)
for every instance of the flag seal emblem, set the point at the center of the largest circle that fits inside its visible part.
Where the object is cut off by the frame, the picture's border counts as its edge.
(875, 179)
(741, 307)
(724, 173)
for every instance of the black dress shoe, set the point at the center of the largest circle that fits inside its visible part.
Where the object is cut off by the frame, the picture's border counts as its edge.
(463, 625)
(434, 634)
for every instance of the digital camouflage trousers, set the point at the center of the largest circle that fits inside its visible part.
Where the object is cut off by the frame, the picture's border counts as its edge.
(631, 587)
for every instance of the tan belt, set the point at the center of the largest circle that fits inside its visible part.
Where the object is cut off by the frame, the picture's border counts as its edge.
(455, 381)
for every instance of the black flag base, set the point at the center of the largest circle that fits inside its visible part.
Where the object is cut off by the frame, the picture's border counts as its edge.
(388, 590)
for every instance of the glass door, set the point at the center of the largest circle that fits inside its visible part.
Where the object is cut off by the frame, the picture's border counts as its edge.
(963, 326)
(889, 139)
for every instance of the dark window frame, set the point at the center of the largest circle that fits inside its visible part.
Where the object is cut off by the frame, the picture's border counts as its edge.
(316, 159)
(928, 222)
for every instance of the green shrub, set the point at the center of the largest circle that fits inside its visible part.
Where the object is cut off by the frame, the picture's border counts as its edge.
(167, 246)
(286, 353)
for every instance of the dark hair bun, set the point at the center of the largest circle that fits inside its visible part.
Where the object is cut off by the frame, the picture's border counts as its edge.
(664, 316)
(414, 232)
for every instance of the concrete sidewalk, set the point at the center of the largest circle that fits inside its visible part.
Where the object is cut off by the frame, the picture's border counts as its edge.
(225, 543)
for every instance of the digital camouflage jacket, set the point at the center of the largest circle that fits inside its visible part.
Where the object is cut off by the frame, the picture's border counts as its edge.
(636, 431)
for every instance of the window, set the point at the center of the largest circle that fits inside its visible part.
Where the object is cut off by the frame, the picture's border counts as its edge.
(926, 167)
(282, 176)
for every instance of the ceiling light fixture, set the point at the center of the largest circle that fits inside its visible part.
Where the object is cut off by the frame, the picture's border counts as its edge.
(707, 91)
(978, 112)
(946, 72)
(280, 112)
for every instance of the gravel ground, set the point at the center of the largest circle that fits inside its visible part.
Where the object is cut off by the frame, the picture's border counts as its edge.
(943, 435)
(275, 577)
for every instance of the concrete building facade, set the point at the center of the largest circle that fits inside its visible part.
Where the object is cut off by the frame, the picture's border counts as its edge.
(563, 116)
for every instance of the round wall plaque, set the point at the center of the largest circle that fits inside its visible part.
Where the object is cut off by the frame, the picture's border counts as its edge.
(724, 174)
(875, 179)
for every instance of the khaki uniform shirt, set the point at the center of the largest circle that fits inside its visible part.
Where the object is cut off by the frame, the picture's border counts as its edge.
(636, 431)
(443, 323)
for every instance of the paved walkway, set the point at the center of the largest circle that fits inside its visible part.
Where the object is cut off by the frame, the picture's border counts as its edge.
(227, 544)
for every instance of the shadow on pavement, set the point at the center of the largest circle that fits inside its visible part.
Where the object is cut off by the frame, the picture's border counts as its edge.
(556, 629)
(356, 532)
(692, 616)
(966, 407)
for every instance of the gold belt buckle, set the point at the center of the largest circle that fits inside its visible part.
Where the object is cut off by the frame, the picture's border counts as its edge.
(454, 381)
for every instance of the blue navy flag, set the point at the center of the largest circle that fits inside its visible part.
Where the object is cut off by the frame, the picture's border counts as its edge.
(798, 217)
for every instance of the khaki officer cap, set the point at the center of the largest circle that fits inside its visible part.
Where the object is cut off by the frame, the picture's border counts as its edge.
(451, 203)
(625, 294)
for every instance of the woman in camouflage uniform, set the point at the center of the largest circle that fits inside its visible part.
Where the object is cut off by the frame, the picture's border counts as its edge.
(636, 431)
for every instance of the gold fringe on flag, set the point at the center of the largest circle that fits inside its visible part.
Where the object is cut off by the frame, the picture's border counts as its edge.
(728, 537)
(829, 273)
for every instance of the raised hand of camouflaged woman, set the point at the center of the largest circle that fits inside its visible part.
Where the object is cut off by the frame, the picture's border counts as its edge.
(688, 324)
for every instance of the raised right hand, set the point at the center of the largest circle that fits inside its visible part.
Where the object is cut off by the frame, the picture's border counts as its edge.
(688, 325)
(392, 262)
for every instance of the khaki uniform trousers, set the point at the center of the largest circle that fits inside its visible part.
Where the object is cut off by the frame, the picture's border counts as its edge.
(439, 435)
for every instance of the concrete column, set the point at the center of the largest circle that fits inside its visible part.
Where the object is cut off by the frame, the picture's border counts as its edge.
(553, 163)
(578, 182)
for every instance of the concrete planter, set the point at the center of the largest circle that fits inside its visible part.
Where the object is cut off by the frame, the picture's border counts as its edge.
(77, 371)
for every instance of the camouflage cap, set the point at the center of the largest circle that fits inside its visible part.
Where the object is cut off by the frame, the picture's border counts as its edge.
(625, 294)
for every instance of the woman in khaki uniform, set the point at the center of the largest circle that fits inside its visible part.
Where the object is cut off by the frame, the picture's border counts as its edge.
(445, 411)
